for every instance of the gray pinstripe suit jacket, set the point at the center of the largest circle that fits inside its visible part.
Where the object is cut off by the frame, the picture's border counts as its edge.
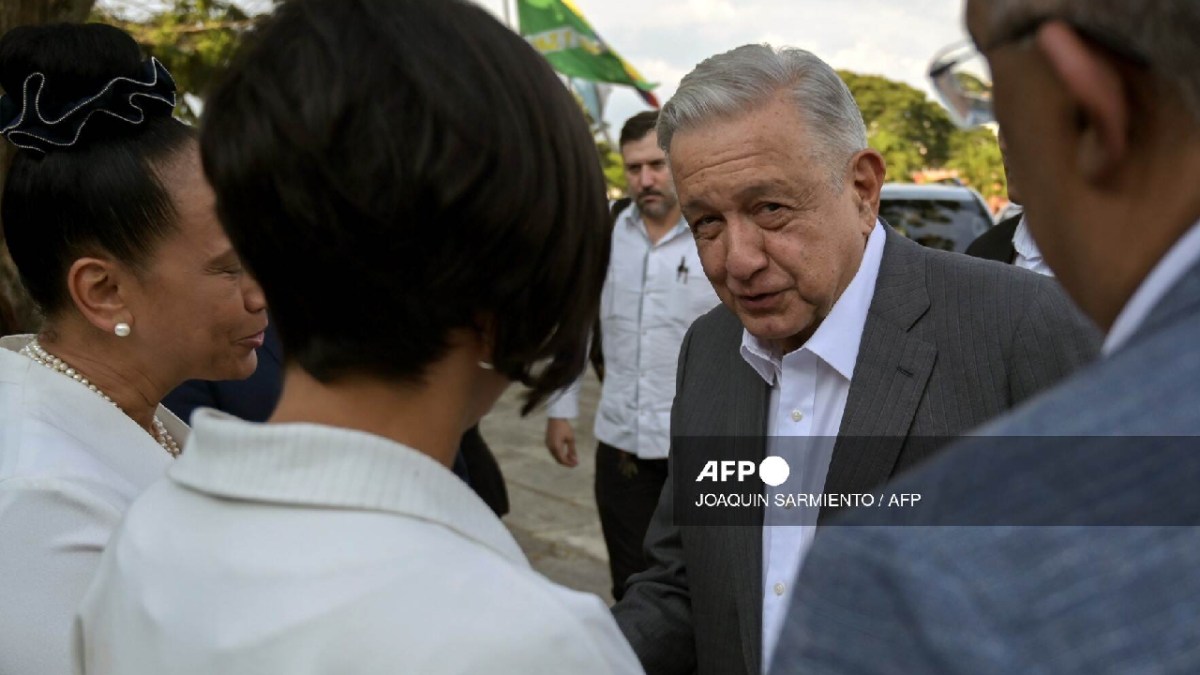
(950, 342)
(1117, 445)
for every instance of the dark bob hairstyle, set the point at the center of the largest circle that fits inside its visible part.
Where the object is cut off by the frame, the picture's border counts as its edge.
(100, 195)
(391, 170)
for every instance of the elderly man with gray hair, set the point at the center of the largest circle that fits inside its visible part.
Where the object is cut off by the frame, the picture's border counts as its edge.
(832, 326)
(1076, 548)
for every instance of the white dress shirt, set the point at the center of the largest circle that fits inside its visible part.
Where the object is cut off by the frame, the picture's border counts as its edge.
(70, 465)
(652, 294)
(1169, 270)
(1028, 255)
(305, 549)
(809, 388)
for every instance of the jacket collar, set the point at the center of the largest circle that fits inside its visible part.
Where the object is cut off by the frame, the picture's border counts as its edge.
(332, 467)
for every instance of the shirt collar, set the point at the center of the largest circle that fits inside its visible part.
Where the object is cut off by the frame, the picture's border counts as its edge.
(332, 467)
(837, 339)
(99, 426)
(1024, 244)
(1165, 274)
(632, 217)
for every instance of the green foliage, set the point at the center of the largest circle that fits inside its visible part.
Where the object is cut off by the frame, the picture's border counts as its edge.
(610, 159)
(975, 155)
(915, 134)
(911, 131)
(193, 38)
(614, 166)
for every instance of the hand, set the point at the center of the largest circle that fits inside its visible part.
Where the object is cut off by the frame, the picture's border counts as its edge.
(560, 441)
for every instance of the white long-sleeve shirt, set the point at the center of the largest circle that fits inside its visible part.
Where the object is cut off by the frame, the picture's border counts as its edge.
(652, 294)
(70, 465)
(314, 550)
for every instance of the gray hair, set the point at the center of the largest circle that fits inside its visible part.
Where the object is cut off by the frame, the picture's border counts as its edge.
(745, 78)
(1163, 31)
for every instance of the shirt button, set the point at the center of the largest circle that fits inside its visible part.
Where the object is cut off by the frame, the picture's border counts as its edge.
(780, 588)
(797, 415)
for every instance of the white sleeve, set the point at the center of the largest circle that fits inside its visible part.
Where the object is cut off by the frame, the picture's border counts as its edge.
(53, 533)
(565, 403)
(568, 632)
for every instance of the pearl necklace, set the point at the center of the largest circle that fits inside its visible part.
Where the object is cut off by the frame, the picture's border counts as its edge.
(39, 355)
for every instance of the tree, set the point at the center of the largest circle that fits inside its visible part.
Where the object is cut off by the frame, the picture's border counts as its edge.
(915, 134)
(975, 156)
(911, 131)
(15, 13)
(194, 39)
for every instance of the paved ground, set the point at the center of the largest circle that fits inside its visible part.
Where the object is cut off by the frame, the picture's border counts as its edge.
(553, 511)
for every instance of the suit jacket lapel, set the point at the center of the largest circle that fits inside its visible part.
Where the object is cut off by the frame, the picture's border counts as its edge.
(749, 418)
(890, 375)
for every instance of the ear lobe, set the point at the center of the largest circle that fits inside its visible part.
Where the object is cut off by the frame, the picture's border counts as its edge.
(1097, 90)
(95, 285)
(868, 170)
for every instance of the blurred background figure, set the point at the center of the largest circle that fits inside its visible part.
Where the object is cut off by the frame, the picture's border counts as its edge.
(653, 291)
(1009, 241)
(421, 199)
(253, 398)
(111, 226)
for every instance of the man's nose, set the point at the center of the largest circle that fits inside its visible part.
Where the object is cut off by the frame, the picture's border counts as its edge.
(745, 253)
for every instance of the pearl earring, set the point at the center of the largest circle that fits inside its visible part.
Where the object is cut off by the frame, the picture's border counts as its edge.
(122, 329)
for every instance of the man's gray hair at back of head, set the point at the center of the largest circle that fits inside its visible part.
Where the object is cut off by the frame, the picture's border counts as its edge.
(1165, 32)
(741, 80)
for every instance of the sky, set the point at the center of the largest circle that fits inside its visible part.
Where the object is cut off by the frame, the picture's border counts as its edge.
(665, 39)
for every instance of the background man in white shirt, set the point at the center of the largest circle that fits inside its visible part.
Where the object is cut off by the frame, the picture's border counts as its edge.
(655, 288)
(1009, 240)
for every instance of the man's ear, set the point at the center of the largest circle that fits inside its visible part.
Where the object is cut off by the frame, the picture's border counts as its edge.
(97, 287)
(1096, 89)
(867, 172)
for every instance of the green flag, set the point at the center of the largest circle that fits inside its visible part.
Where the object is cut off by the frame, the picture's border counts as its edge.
(559, 32)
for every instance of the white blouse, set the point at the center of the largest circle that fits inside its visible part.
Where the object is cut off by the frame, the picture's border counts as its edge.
(70, 465)
(306, 549)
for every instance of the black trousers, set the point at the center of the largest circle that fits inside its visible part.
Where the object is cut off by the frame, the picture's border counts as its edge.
(627, 491)
(483, 472)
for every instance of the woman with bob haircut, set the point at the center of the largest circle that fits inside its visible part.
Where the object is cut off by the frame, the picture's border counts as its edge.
(111, 225)
(423, 204)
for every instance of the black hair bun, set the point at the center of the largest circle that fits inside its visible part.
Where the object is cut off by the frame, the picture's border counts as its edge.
(66, 82)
